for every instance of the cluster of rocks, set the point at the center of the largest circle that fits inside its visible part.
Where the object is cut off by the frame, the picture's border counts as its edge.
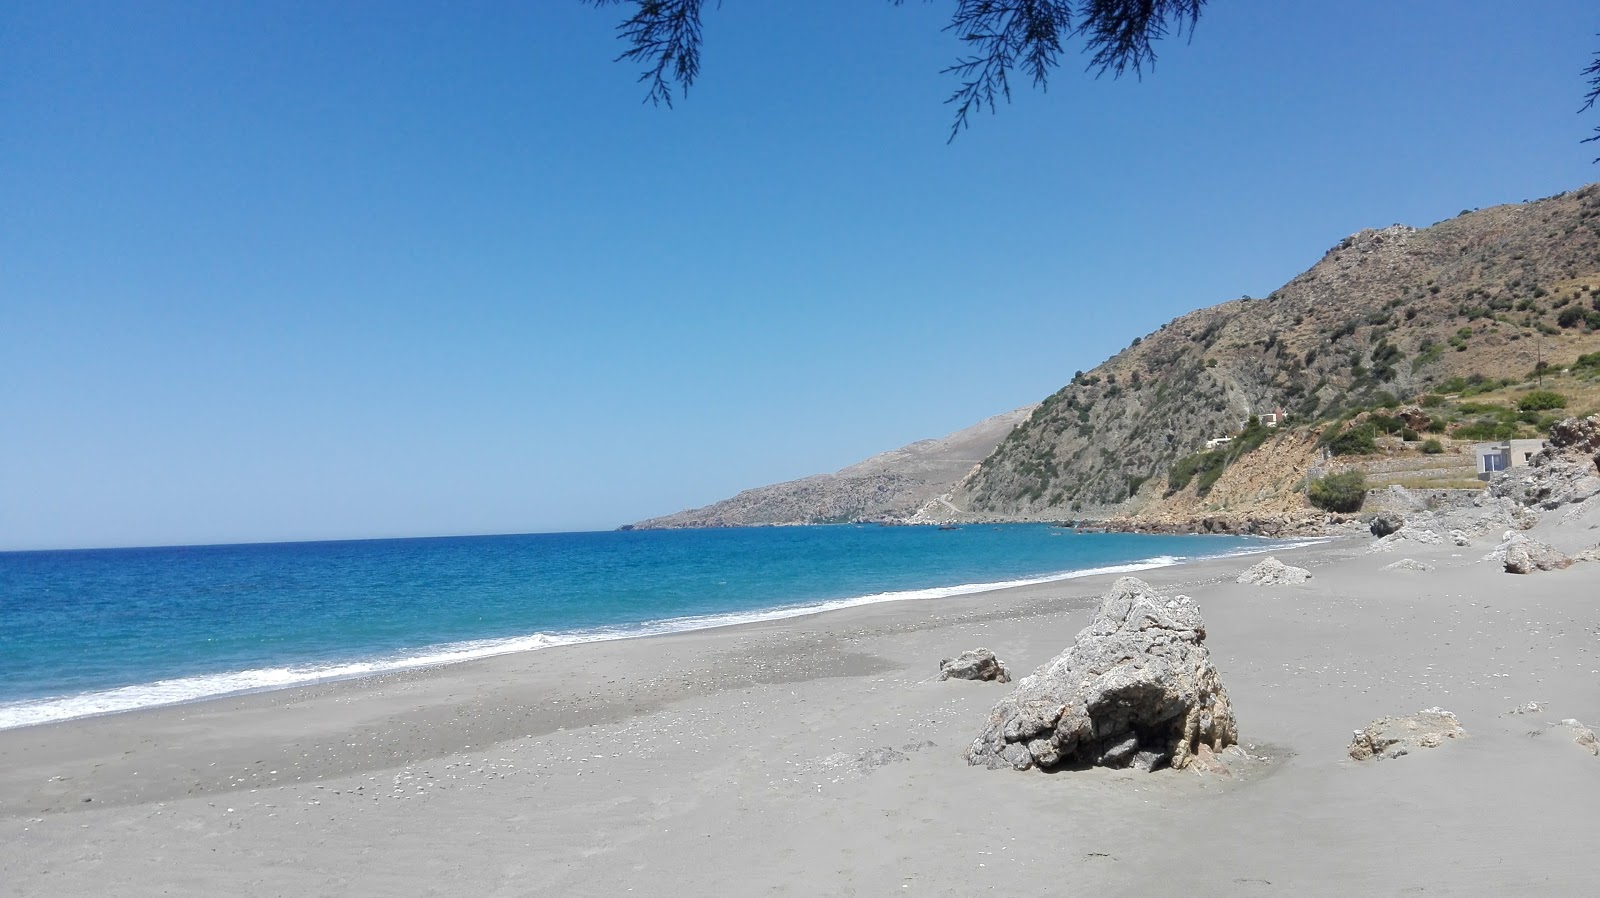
(1566, 470)
(977, 664)
(1304, 524)
(1410, 520)
(1136, 689)
(1272, 572)
(1393, 737)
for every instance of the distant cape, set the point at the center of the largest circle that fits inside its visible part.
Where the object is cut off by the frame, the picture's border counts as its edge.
(892, 487)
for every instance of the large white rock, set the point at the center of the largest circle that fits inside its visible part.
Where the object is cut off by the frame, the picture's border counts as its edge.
(1136, 688)
(1271, 572)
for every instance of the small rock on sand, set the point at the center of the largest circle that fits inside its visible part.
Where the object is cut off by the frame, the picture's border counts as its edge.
(1408, 564)
(1392, 737)
(977, 664)
(1272, 572)
(1587, 740)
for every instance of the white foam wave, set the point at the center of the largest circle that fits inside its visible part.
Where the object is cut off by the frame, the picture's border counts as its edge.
(187, 689)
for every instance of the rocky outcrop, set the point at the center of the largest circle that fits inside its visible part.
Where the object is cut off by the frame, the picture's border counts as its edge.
(1576, 436)
(1136, 688)
(1272, 572)
(977, 664)
(1392, 737)
(1408, 564)
(1563, 472)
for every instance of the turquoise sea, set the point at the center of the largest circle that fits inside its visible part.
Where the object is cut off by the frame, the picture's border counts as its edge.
(97, 631)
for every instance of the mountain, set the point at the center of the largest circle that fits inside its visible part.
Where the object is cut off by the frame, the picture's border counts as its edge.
(1385, 316)
(887, 487)
(1455, 317)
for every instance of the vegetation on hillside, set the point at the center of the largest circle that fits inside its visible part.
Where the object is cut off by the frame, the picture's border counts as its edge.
(1463, 320)
(1207, 466)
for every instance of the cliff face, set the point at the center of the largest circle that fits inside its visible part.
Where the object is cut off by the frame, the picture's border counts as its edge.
(1394, 311)
(887, 487)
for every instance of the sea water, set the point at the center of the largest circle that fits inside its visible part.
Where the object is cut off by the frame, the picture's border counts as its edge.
(96, 631)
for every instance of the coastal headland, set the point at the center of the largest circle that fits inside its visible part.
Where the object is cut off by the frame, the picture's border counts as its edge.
(822, 755)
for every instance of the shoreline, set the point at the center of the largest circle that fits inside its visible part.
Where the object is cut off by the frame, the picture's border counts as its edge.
(822, 750)
(189, 690)
(427, 692)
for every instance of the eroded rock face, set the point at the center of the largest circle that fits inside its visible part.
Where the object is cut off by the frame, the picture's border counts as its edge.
(1136, 688)
(1576, 436)
(977, 664)
(1392, 737)
(1272, 572)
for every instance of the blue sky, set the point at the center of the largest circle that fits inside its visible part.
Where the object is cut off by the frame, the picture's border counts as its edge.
(310, 270)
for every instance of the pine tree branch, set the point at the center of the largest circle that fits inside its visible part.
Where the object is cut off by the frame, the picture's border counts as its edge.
(1593, 74)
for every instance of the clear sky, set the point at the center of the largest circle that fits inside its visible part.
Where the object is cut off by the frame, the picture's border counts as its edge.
(324, 270)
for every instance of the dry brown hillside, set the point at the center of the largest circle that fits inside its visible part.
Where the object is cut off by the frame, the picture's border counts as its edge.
(1385, 314)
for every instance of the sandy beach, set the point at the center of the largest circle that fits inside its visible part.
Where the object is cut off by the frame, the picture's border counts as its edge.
(820, 756)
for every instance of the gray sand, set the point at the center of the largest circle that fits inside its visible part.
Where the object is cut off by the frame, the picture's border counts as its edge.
(820, 756)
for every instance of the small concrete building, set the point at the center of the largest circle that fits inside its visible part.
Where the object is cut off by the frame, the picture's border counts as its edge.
(1273, 418)
(1496, 457)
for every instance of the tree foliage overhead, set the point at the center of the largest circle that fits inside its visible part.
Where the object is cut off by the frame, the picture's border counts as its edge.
(1593, 74)
(1003, 37)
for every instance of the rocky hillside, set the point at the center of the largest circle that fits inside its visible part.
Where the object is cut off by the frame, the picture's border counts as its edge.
(1385, 314)
(887, 487)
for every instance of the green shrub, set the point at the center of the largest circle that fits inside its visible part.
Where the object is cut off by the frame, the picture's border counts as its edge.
(1184, 469)
(1571, 316)
(1433, 447)
(1354, 441)
(1486, 430)
(1409, 435)
(1342, 492)
(1542, 400)
(1432, 400)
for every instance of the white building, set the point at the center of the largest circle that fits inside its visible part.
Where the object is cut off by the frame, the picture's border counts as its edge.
(1496, 457)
